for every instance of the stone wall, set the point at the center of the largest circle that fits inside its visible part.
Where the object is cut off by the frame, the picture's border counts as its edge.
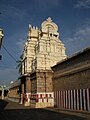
(44, 81)
(13, 94)
(73, 73)
(14, 91)
(41, 89)
(41, 81)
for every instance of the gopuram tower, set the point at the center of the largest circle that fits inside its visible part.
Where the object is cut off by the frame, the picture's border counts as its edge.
(42, 50)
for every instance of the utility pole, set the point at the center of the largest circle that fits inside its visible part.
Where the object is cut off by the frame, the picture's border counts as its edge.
(2, 92)
(1, 37)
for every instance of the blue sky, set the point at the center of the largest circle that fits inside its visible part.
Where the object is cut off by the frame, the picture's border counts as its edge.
(72, 17)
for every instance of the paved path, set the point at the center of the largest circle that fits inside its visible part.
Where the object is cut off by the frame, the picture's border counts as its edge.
(14, 111)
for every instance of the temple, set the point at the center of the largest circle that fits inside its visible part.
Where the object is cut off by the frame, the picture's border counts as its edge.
(42, 50)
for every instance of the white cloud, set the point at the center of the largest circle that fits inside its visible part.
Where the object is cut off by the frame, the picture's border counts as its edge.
(80, 33)
(83, 3)
(79, 40)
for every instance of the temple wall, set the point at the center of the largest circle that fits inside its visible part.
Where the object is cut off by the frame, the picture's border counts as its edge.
(73, 73)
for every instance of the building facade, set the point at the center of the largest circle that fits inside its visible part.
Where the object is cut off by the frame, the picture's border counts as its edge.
(42, 50)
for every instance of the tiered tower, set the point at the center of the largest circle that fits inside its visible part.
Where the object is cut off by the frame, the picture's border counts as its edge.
(49, 49)
(29, 49)
(42, 50)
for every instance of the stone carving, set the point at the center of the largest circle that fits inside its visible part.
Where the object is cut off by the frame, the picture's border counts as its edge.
(43, 48)
(50, 26)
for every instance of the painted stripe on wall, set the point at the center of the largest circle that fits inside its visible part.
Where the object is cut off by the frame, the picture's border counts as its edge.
(59, 98)
(73, 99)
(81, 106)
(69, 99)
(84, 99)
(66, 99)
(77, 100)
(88, 100)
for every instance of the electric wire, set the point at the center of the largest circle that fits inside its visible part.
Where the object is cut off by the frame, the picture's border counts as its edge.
(9, 53)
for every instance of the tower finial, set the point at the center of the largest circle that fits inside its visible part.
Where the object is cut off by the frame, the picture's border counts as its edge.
(30, 26)
(49, 19)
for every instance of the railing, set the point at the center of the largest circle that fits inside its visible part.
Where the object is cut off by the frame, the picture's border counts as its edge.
(78, 99)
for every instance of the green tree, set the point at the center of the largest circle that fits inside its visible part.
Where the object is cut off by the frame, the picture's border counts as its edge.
(19, 66)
